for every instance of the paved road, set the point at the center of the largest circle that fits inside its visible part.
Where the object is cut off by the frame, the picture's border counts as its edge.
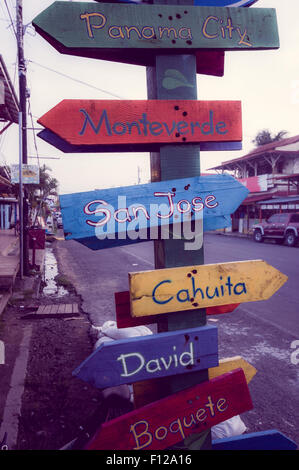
(261, 332)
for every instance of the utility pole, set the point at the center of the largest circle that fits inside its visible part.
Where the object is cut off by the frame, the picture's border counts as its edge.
(23, 137)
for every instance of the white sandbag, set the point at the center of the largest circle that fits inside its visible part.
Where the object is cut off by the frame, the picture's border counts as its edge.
(109, 328)
(229, 428)
(109, 332)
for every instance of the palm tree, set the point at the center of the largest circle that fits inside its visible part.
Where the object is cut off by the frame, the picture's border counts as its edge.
(265, 137)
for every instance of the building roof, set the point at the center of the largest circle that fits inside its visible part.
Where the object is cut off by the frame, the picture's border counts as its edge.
(9, 111)
(281, 200)
(287, 146)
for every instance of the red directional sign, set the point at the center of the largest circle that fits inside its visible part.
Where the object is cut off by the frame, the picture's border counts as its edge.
(104, 123)
(165, 422)
(125, 320)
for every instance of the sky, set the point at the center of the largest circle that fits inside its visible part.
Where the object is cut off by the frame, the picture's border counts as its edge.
(266, 82)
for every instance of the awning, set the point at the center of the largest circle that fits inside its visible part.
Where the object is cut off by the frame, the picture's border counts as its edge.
(281, 200)
(9, 109)
(254, 199)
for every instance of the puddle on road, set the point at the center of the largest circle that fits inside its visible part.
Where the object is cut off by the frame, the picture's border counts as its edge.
(51, 270)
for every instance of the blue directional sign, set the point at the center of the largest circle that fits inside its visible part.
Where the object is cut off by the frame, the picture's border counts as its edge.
(129, 214)
(147, 357)
(213, 3)
(264, 440)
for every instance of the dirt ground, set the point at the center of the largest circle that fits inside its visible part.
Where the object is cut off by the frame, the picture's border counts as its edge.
(56, 407)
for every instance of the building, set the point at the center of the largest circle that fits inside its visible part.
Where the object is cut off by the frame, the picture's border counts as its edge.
(9, 114)
(271, 173)
(8, 202)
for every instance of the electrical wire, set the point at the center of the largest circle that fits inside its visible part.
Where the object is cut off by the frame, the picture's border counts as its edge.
(10, 17)
(33, 131)
(75, 79)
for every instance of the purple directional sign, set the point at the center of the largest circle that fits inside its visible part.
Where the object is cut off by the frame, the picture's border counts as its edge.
(224, 3)
(212, 3)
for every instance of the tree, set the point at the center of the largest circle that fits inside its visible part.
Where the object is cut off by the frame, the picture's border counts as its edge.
(265, 137)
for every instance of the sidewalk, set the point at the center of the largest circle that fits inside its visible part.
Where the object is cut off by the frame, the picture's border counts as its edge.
(231, 234)
(42, 406)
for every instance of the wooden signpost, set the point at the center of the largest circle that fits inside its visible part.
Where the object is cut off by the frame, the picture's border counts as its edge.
(148, 391)
(163, 423)
(216, 3)
(132, 213)
(176, 289)
(137, 33)
(64, 146)
(141, 358)
(125, 320)
(116, 124)
(264, 440)
(175, 42)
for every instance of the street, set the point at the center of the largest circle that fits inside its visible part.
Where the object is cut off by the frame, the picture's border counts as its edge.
(265, 333)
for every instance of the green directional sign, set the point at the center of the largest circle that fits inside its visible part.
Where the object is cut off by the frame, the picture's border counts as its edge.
(135, 33)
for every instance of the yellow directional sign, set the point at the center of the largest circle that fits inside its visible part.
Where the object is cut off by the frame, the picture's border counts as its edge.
(147, 391)
(194, 287)
(232, 363)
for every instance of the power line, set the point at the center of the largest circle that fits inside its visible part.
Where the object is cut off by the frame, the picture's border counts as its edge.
(33, 131)
(76, 80)
(11, 20)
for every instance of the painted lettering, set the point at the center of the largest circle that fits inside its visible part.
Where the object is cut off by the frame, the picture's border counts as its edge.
(89, 26)
(154, 293)
(97, 210)
(205, 292)
(125, 214)
(205, 27)
(213, 27)
(97, 128)
(144, 436)
(169, 196)
(145, 127)
(168, 31)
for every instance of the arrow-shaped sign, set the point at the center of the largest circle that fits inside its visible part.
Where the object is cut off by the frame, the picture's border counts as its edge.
(147, 391)
(183, 288)
(135, 33)
(133, 213)
(108, 125)
(216, 3)
(64, 146)
(163, 423)
(264, 440)
(125, 320)
(147, 357)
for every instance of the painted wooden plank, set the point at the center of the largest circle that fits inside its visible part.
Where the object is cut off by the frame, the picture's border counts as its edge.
(176, 289)
(61, 308)
(147, 391)
(53, 139)
(47, 310)
(132, 213)
(105, 123)
(225, 3)
(75, 308)
(125, 320)
(216, 3)
(264, 440)
(139, 358)
(53, 309)
(163, 423)
(136, 33)
(68, 308)
(230, 363)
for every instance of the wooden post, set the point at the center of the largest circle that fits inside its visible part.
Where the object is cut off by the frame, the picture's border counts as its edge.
(174, 161)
